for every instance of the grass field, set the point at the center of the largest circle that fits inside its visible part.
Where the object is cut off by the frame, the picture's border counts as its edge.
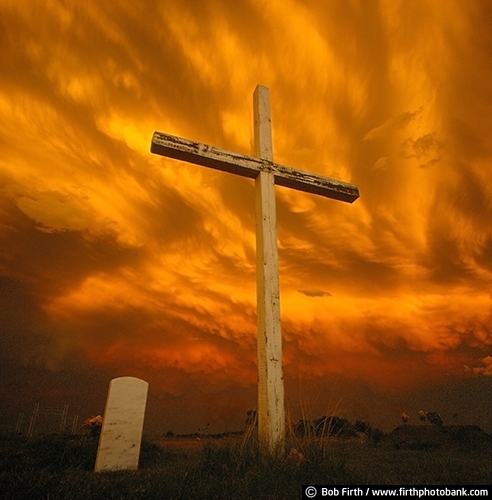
(59, 467)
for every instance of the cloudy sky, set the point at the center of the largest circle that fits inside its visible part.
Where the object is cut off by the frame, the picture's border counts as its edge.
(115, 261)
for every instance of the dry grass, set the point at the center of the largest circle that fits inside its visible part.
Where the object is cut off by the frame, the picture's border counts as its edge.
(177, 468)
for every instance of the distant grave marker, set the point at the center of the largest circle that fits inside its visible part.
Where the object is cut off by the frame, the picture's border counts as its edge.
(121, 433)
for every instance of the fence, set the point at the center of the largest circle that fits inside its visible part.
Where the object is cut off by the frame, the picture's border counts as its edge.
(47, 419)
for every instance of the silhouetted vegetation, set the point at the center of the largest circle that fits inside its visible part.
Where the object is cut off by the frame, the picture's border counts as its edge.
(336, 427)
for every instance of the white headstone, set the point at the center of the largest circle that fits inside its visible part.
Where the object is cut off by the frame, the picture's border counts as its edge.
(121, 433)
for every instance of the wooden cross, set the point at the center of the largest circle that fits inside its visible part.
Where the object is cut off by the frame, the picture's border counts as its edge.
(271, 411)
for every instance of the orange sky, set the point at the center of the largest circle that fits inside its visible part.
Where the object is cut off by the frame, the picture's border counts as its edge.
(117, 262)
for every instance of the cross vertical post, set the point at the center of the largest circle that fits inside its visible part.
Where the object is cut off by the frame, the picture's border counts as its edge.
(271, 411)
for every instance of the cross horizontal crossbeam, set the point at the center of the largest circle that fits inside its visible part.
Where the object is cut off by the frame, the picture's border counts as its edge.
(247, 166)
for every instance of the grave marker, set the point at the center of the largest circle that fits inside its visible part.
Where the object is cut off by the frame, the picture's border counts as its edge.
(121, 433)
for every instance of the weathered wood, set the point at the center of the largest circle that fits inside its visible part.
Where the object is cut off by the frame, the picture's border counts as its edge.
(271, 410)
(271, 407)
(247, 166)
